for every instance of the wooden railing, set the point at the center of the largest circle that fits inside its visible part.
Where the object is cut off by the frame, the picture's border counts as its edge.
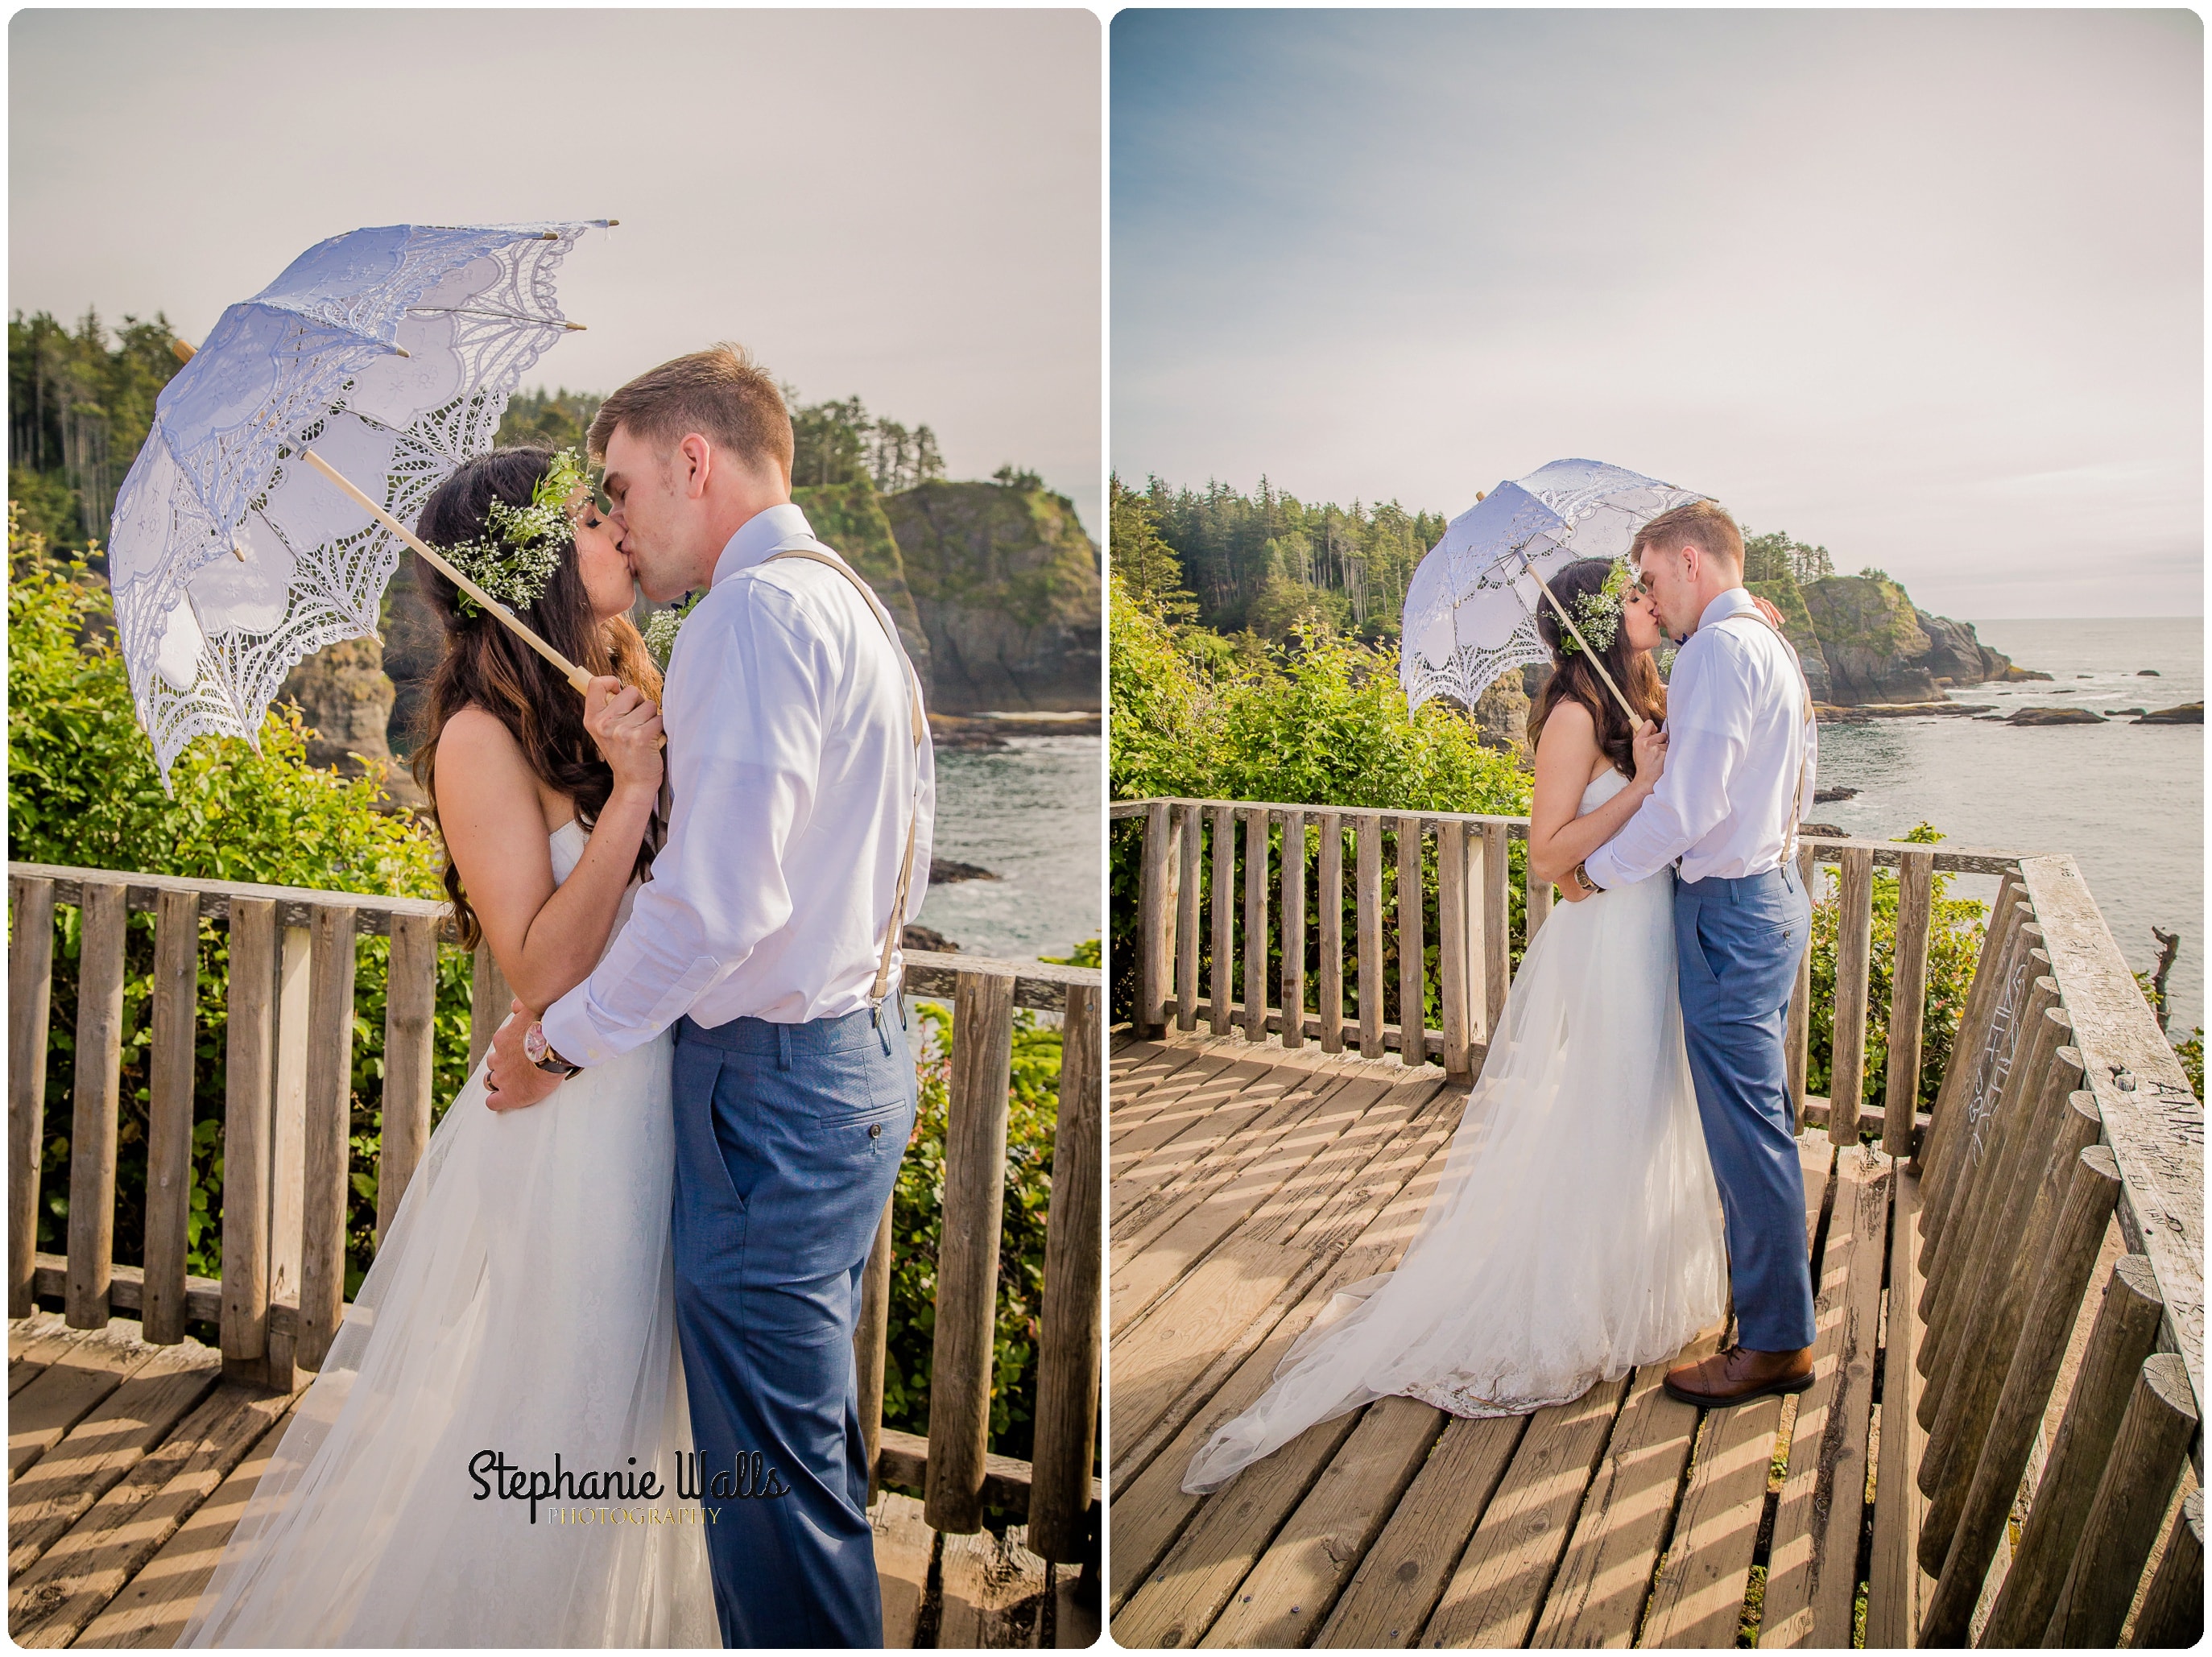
(2061, 1109)
(287, 1116)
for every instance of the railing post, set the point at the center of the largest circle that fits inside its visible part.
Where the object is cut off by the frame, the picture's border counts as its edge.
(2130, 1506)
(1068, 1333)
(1294, 931)
(2125, 1333)
(1452, 997)
(1539, 902)
(968, 1256)
(1953, 1171)
(169, 1114)
(1367, 910)
(1221, 982)
(1412, 953)
(1331, 895)
(1981, 994)
(287, 1150)
(1155, 943)
(2172, 1614)
(330, 1122)
(1908, 996)
(1474, 895)
(872, 1338)
(490, 1001)
(1256, 924)
(1498, 933)
(1187, 943)
(1854, 945)
(248, 1071)
(1797, 1042)
(93, 1125)
(411, 1007)
(30, 1005)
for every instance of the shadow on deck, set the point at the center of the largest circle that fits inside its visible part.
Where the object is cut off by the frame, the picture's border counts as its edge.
(1247, 1185)
(129, 1464)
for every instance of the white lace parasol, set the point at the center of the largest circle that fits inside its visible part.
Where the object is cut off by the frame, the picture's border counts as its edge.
(394, 351)
(1470, 610)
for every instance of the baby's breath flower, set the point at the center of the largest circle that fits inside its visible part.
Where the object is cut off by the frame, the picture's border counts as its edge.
(524, 548)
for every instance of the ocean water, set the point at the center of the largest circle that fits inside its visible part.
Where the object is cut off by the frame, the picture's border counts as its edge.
(2125, 801)
(1033, 814)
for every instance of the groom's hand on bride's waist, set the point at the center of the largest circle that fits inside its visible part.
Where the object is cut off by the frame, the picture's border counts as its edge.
(512, 1080)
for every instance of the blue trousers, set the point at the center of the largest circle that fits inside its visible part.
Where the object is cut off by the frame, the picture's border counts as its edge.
(1737, 945)
(788, 1141)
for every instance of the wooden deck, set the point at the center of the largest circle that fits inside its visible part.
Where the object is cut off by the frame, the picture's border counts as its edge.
(129, 1463)
(1248, 1184)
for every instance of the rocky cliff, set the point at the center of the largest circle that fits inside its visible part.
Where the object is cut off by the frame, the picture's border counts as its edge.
(1006, 585)
(1871, 640)
(346, 698)
(850, 517)
(1797, 627)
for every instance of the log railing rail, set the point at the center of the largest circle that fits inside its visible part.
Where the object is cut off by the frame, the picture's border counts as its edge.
(286, 1122)
(2062, 1110)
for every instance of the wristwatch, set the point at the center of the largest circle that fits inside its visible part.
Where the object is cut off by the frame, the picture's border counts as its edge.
(1582, 880)
(539, 1051)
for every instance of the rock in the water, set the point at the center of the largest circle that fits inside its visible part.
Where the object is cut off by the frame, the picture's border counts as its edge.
(1871, 639)
(2016, 675)
(850, 517)
(917, 936)
(1501, 716)
(1830, 796)
(1798, 627)
(2054, 716)
(2147, 673)
(2117, 712)
(2187, 713)
(1006, 585)
(943, 871)
(346, 700)
(1954, 653)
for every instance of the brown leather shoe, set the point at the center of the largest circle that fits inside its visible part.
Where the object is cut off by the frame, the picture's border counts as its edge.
(1738, 1375)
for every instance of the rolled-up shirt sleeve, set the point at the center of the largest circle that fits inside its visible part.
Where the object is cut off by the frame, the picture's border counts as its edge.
(745, 745)
(1705, 742)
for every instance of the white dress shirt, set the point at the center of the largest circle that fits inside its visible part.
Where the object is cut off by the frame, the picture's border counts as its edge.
(792, 763)
(1740, 747)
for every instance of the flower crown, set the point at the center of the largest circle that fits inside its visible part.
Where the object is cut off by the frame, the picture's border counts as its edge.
(1598, 614)
(518, 558)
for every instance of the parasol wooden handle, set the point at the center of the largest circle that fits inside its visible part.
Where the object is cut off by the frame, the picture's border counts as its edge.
(1635, 719)
(574, 674)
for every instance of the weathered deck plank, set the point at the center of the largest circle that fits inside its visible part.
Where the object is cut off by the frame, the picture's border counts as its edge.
(1396, 1525)
(69, 1389)
(1599, 1594)
(1812, 1572)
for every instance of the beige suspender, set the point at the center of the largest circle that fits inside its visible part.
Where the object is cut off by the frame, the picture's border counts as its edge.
(921, 732)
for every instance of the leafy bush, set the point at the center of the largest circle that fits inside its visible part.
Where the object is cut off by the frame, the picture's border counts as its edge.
(82, 791)
(1955, 945)
(1324, 723)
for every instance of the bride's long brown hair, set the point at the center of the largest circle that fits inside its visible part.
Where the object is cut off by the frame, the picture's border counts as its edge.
(487, 666)
(1572, 676)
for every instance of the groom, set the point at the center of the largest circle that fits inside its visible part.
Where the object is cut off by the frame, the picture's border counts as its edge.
(1739, 773)
(802, 803)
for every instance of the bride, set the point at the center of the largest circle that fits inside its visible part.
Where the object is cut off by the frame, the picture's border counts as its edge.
(1577, 1232)
(522, 1304)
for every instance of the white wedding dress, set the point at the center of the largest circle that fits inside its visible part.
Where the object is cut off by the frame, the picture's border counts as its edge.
(523, 1302)
(1577, 1231)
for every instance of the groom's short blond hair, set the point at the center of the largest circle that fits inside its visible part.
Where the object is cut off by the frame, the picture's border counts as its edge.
(1703, 524)
(720, 393)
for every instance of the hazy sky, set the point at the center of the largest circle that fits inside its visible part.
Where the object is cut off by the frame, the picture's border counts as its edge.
(902, 205)
(1925, 287)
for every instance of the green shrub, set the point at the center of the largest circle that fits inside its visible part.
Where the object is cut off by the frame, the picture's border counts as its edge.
(83, 791)
(1321, 724)
(1955, 945)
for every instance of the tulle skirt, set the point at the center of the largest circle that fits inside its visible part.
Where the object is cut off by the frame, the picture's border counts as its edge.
(1577, 1231)
(523, 1304)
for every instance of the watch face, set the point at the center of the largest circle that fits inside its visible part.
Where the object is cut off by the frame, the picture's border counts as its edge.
(533, 1043)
